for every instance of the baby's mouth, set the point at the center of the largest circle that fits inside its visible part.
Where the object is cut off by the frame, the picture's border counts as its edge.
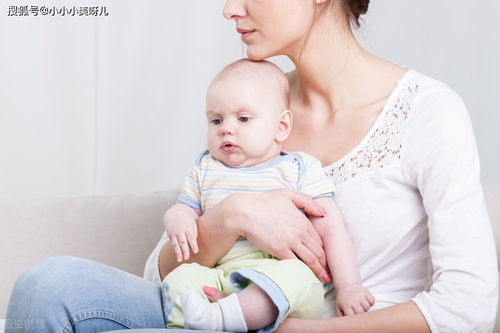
(228, 147)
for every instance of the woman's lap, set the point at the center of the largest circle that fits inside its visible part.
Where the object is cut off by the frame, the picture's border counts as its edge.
(66, 294)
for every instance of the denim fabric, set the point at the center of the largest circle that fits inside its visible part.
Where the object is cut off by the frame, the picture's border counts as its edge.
(69, 294)
(166, 330)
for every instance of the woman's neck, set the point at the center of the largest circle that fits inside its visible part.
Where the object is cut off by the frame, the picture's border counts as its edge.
(334, 73)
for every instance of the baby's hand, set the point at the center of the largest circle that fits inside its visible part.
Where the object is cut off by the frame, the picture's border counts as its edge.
(183, 234)
(353, 299)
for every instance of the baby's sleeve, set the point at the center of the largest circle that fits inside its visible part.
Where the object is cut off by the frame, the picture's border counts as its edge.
(312, 178)
(190, 191)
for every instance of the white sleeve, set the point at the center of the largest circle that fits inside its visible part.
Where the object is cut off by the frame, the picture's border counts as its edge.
(151, 269)
(444, 161)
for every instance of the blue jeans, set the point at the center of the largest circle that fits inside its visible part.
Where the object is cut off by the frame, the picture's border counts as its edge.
(69, 294)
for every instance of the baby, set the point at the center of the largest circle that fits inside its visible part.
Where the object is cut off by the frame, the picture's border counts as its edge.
(248, 121)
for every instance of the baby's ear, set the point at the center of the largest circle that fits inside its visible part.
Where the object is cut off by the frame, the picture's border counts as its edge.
(285, 126)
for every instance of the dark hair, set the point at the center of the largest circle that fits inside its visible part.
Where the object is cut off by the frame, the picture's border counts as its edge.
(354, 9)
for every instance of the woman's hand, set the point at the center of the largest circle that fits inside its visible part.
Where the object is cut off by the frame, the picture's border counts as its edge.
(273, 221)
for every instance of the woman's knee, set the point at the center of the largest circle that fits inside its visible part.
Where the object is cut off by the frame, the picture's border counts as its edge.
(38, 288)
(37, 276)
(47, 280)
(60, 291)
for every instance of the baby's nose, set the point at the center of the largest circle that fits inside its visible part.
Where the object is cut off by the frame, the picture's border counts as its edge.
(226, 130)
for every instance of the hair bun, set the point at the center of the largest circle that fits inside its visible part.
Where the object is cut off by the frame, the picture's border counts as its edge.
(356, 8)
(362, 6)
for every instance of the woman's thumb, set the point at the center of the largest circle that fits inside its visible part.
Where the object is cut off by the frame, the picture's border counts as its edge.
(213, 294)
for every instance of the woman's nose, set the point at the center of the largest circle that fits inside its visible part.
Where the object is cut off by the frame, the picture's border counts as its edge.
(233, 9)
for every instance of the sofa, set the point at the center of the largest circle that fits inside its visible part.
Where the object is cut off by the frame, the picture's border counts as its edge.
(119, 231)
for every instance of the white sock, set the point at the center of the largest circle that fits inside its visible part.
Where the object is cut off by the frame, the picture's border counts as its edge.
(200, 314)
(225, 314)
(232, 315)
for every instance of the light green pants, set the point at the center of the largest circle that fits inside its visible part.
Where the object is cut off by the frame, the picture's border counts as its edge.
(291, 278)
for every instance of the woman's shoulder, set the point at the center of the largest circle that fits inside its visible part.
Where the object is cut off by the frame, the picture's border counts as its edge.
(438, 120)
(434, 98)
(428, 105)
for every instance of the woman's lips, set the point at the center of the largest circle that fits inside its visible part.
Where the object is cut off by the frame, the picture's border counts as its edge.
(245, 33)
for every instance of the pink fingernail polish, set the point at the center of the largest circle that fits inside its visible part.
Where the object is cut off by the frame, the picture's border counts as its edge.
(209, 291)
(326, 278)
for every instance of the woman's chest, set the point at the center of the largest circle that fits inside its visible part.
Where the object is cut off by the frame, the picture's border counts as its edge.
(328, 142)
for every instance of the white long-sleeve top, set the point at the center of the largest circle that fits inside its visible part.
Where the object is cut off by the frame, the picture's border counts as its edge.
(413, 203)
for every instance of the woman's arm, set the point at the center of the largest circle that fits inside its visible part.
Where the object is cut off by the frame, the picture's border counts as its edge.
(401, 318)
(443, 161)
(271, 221)
(404, 317)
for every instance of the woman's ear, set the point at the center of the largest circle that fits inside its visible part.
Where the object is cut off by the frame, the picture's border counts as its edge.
(285, 126)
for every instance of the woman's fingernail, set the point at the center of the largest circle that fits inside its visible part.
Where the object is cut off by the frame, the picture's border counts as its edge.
(326, 278)
(209, 291)
(322, 212)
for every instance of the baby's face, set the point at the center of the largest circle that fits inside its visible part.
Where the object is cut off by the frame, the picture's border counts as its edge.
(243, 117)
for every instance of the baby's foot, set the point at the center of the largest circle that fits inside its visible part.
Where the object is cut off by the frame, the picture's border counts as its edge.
(200, 314)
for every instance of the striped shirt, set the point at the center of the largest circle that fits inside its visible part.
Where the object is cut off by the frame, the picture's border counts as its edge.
(209, 181)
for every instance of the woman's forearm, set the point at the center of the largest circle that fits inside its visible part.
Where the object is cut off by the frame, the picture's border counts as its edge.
(277, 227)
(404, 317)
(216, 235)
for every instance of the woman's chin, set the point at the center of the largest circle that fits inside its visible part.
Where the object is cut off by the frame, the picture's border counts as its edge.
(254, 55)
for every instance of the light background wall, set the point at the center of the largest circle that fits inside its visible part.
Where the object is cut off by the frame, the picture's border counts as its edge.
(113, 105)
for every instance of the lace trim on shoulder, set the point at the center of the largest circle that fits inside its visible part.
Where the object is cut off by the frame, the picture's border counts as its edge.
(383, 147)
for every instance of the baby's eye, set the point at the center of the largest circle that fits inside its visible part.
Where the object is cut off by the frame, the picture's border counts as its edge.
(243, 119)
(216, 121)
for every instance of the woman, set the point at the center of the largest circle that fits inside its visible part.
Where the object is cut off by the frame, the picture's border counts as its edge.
(400, 148)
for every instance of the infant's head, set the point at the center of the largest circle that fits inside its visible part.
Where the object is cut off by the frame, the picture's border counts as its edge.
(247, 113)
